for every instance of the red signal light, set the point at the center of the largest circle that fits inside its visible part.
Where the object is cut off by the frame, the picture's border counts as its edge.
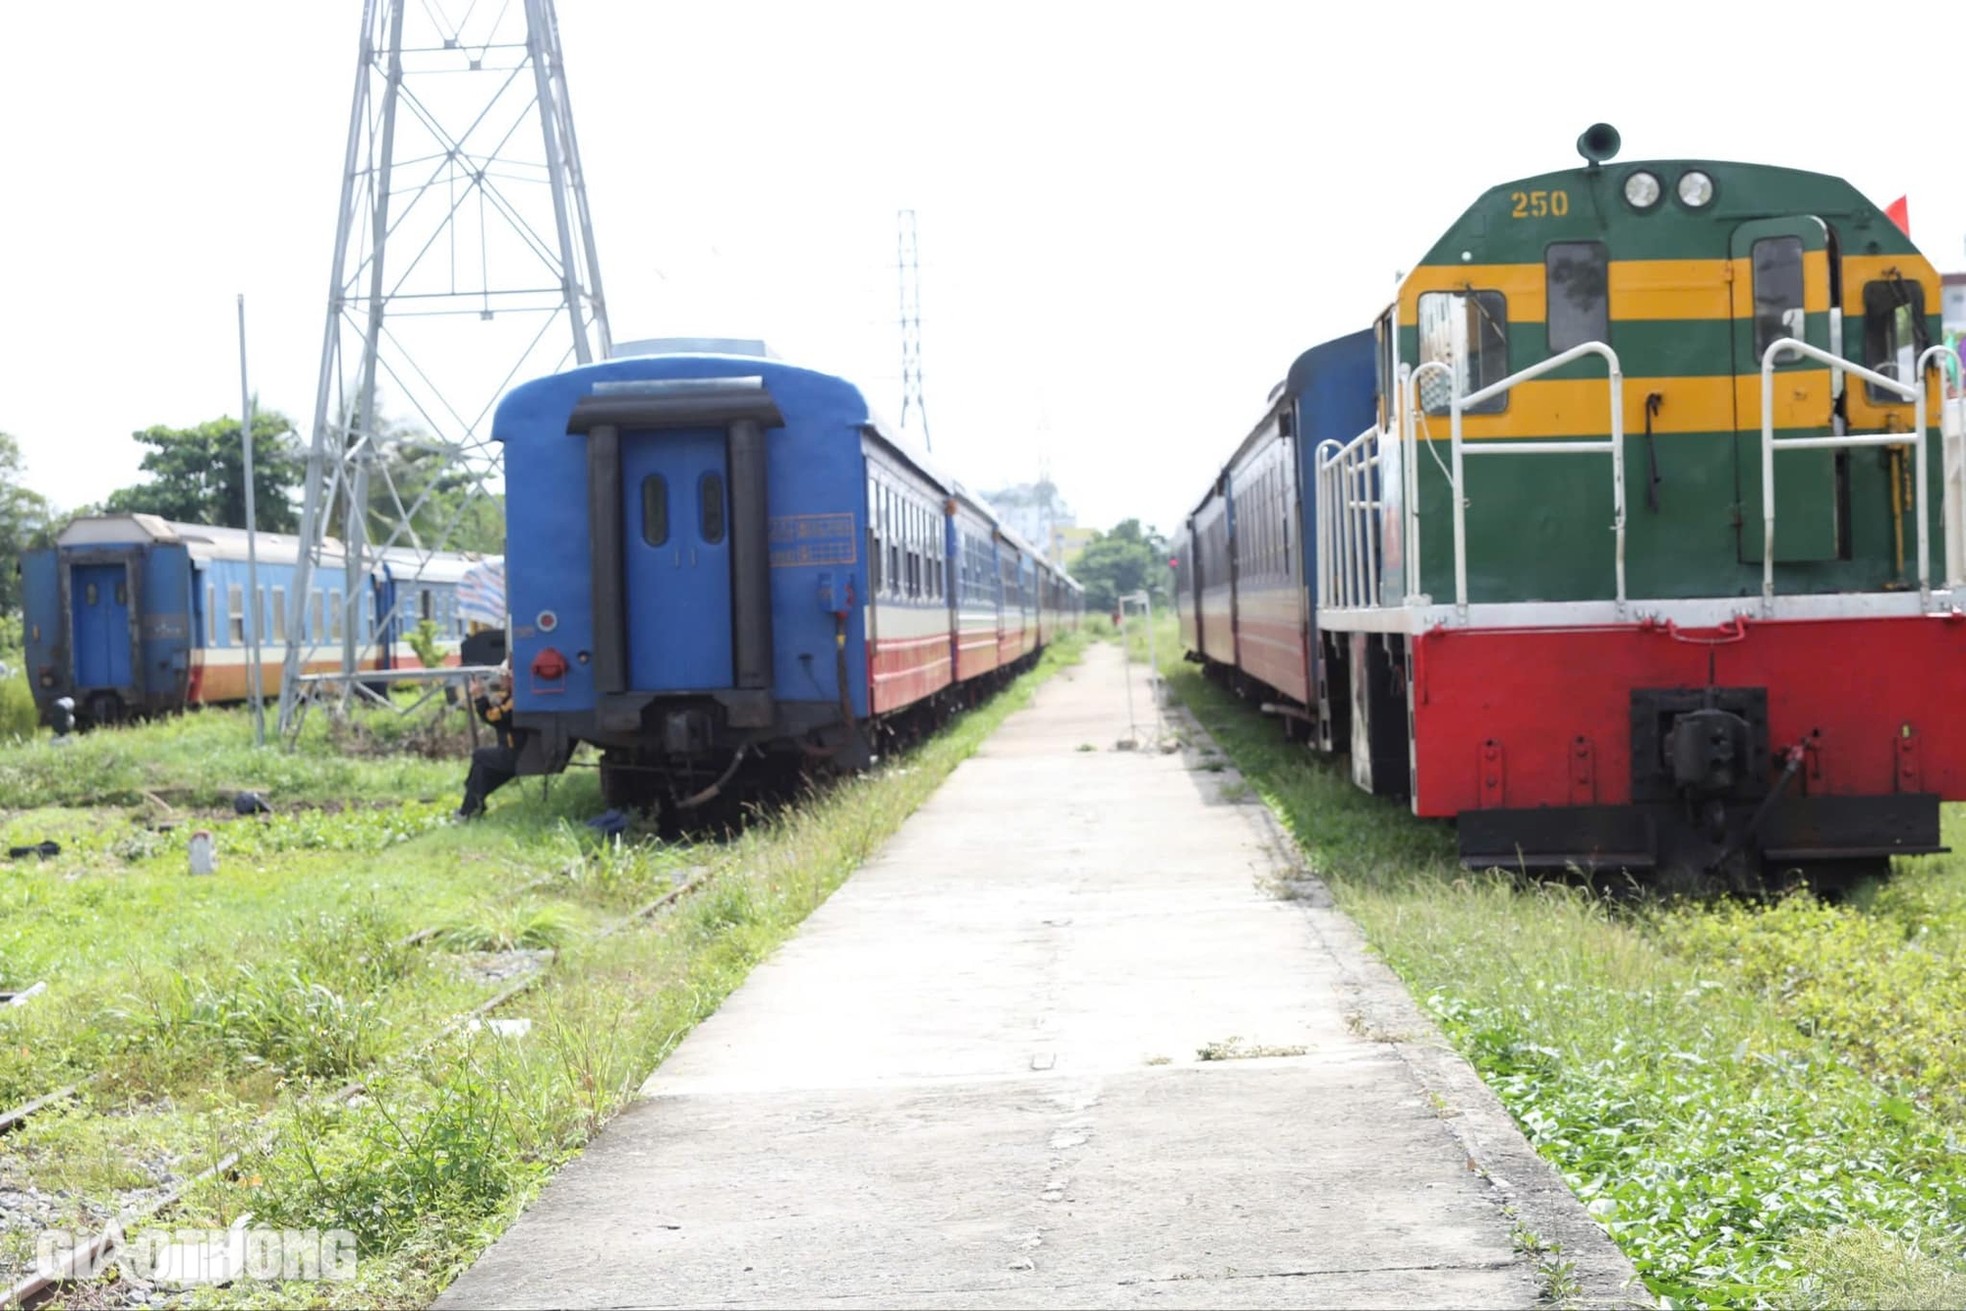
(549, 666)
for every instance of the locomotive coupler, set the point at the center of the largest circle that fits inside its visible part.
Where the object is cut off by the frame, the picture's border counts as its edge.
(1707, 749)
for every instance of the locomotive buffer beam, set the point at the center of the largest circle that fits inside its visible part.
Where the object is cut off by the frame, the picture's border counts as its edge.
(1706, 794)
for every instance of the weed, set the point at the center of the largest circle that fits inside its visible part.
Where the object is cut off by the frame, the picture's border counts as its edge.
(1235, 1049)
(1559, 1281)
(1862, 1266)
(18, 715)
(1707, 1080)
(524, 925)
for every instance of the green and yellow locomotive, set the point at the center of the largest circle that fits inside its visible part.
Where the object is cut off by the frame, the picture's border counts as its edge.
(1695, 605)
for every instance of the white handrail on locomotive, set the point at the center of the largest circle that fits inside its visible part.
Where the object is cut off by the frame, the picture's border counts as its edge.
(1347, 535)
(1614, 446)
(1336, 498)
(1913, 392)
(1407, 402)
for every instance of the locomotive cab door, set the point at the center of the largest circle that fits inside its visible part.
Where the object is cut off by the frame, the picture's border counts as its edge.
(1784, 272)
(676, 548)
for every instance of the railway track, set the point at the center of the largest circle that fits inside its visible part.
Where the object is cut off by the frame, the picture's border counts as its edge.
(43, 1285)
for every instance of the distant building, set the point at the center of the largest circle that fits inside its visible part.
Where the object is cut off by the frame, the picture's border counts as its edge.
(1068, 542)
(1035, 512)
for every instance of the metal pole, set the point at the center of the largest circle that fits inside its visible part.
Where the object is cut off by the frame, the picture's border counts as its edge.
(355, 572)
(254, 608)
(542, 48)
(1126, 667)
(315, 507)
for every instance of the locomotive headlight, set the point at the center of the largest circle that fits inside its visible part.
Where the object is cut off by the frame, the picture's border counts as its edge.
(1642, 190)
(1695, 188)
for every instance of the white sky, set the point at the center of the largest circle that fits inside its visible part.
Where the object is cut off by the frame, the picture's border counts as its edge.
(1131, 217)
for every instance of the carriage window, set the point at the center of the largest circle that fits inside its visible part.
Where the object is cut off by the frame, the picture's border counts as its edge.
(315, 629)
(235, 613)
(1895, 333)
(1468, 332)
(710, 507)
(122, 594)
(1577, 281)
(655, 510)
(89, 595)
(259, 605)
(1777, 290)
(425, 604)
(873, 563)
(279, 614)
(334, 615)
(211, 614)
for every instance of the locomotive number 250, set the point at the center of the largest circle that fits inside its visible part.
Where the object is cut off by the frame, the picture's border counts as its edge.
(1539, 204)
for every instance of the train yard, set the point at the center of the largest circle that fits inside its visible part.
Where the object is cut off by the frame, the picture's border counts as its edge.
(357, 981)
(372, 1017)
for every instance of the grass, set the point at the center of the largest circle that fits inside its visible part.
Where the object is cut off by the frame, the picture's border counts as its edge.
(340, 937)
(1761, 1103)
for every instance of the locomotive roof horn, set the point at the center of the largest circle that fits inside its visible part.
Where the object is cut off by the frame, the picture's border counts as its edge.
(1598, 143)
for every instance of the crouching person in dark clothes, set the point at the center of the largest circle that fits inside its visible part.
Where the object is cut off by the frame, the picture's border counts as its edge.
(492, 767)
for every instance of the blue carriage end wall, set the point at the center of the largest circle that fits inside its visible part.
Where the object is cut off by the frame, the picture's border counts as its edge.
(814, 469)
(1336, 398)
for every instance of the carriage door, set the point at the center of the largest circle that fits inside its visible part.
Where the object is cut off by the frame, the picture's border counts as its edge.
(676, 583)
(1783, 270)
(100, 597)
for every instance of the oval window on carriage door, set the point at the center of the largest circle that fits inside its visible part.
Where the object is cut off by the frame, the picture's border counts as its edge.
(655, 510)
(710, 508)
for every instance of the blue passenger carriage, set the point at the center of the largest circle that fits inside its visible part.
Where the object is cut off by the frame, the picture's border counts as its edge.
(721, 562)
(132, 615)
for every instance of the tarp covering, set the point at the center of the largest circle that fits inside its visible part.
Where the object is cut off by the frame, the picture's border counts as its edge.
(481, 593)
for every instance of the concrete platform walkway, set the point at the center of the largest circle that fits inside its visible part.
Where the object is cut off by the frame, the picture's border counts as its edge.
(976, 1078)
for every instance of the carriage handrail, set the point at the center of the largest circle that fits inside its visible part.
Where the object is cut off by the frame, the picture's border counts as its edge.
(1614, 445)
(1327, 536)
(1911, 391)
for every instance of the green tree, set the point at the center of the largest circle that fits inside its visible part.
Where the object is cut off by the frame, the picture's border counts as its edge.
(197, 475)
(26, 521)
(1127, 559)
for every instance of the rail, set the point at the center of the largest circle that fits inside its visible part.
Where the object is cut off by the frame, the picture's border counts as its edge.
(1614, 446)
(1348, 541)
(1913, 391)
(1348, 494)
(1410, 444)
(1349, 497)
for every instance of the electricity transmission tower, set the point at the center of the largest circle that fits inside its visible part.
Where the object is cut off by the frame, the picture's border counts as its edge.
(464, 261)
(908, 267)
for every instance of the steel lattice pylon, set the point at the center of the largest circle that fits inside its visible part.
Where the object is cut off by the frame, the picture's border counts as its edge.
(464, 261)
(908, 267)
